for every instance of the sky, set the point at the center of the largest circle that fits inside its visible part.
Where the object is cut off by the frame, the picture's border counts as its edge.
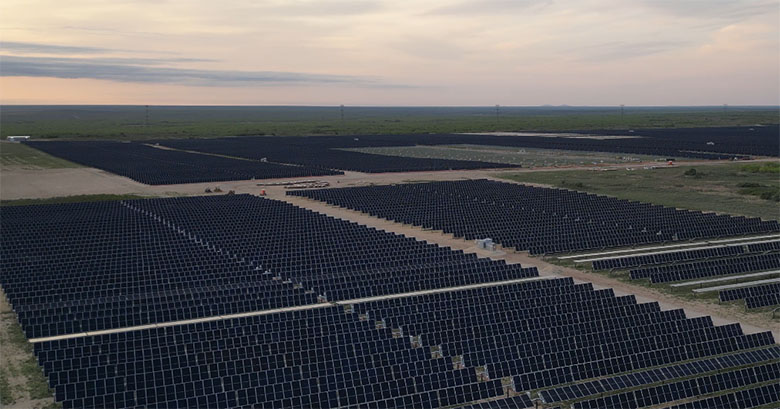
(390, 52)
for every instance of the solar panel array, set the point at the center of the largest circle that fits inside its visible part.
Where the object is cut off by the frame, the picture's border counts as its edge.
(739, 262)
(312, 358)
(79, 267)
(666, 257)
(760, 247)
(744, 399)
(764, 300)
(748, 292)
(334, 258)
(325, 151)
(708, 268)
(540, 220)
(153, 166)
(663, 374)
(325, 155)
(685, 389)
(431, 351)
(72, 268)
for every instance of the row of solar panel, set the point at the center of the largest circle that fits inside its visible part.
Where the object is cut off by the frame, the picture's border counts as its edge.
(760, 301)
(632, 380)
(743, 399)
(540, 220)
(709, 268)
(755, 296)
(747, 292)
(666, 258)
(769, 246)
(684, 389)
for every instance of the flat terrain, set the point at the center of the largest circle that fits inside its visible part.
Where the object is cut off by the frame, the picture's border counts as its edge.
(19, 156)
(526, 157)
(725, 187)
(132, 122)
(20, 183)
(714, 186)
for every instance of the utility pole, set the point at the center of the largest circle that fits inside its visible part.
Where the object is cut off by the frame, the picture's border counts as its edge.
(342, 113)
(622, 111)
(498, 118)
(146, 117)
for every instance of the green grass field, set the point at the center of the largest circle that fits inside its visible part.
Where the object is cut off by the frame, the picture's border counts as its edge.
(526, 157)
(718, 188)
(130, 122)
(22, 156)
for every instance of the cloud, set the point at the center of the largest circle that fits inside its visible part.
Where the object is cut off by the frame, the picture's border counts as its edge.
(729, 10)
(15, 47)
(472, 7)
(321, 8)
(37, 48)
(430, 48)
(135, 71)
(618, 50)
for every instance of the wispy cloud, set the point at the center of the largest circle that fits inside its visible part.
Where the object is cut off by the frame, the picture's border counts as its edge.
(138, 71)
(474, 7)
(38, 48)
(15, 47)
(731, 10)
(320, 8)
(617, 50)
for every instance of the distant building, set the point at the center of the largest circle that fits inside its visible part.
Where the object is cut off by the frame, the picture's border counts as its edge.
(18, 138)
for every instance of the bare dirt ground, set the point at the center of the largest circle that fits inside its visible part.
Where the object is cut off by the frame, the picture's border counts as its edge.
(43, 183)
(21, 183)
